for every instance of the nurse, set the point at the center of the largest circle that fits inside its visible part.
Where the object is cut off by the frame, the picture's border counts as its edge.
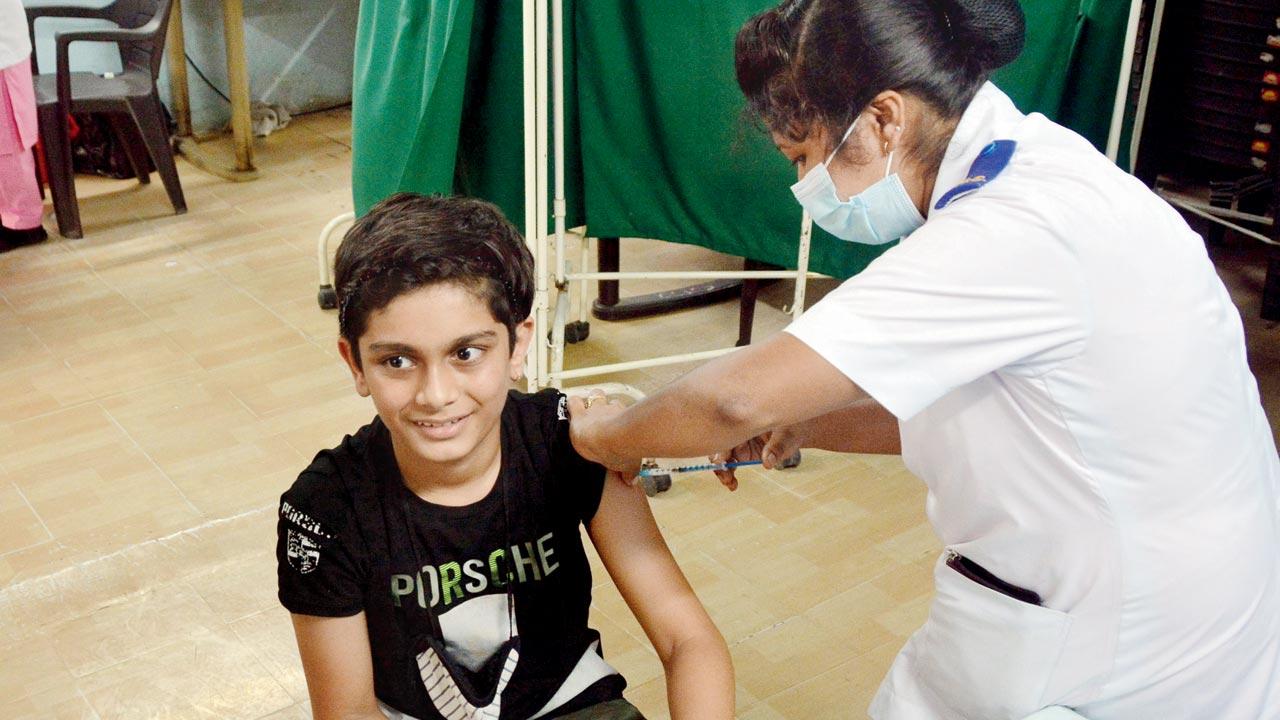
(1050, 350)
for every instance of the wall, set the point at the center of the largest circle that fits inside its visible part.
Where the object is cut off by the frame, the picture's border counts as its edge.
(299, 51)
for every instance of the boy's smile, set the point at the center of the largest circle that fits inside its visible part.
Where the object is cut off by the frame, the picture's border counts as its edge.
(438, 366)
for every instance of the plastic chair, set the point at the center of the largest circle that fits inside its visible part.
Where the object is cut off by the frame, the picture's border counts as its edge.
(130, 93)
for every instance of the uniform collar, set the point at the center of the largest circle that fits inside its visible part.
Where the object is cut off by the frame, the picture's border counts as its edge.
(991, 115)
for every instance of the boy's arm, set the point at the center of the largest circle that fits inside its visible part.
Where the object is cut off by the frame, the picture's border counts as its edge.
(694, 655)
(339, 667)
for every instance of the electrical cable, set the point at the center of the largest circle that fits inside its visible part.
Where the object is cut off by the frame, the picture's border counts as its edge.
(223, 95)
(322, 109)
(205, 78)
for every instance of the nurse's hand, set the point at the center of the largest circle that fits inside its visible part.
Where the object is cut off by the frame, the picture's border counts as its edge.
(587, 417)
(771, 448)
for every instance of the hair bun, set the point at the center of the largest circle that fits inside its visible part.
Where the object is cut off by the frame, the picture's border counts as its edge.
(994, 29)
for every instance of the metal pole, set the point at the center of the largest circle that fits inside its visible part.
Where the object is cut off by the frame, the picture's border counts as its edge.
(583, 264)
(176, 48)
(1122, 84)
(640, 364)
(530, 172)
(541, 267)
(802, 265)
(238, 73)
(557, 127)
(693, 275)
(1144, 94)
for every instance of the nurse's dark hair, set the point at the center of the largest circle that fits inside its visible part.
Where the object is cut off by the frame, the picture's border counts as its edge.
(821, 62)
(410, 241)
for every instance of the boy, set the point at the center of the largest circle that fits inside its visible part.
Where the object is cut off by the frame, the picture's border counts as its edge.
(433, 561)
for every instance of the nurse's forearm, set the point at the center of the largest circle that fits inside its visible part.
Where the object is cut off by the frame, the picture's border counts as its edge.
(863, 427)
(725, 402)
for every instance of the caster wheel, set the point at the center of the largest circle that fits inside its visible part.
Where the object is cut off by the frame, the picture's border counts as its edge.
(654, 484)
(327, 297)
(792, 461)
(577, 331)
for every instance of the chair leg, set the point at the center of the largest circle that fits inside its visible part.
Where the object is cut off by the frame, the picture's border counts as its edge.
(62, 184)
(134, 147)
(150, 121)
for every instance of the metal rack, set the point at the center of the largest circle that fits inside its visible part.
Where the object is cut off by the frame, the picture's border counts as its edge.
(1215, 154)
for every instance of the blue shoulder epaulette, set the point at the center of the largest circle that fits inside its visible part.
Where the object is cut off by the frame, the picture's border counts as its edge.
(993, 159)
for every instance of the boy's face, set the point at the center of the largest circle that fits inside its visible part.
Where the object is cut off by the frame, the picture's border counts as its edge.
(438, 366)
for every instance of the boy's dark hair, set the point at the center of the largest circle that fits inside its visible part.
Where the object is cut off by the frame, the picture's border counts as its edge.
(409, 241)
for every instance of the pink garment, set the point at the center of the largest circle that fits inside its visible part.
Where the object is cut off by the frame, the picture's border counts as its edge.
(20, 204)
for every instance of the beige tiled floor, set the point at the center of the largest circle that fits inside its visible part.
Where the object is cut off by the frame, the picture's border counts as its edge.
(165, 378)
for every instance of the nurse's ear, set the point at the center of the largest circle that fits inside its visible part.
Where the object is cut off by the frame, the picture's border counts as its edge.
(888, 112)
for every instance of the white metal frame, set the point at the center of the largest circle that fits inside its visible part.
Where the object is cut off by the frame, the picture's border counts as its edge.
(544, 366)
(322, 251)
(547, 368)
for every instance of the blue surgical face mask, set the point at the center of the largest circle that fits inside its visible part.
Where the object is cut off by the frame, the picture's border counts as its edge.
(880, 214)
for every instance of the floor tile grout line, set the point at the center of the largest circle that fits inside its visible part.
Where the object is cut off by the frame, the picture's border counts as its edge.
(36, 335)
(326, 137)
(641, 639)
(231, 285)
(833, 668)
(237, 287)
(763, 630)
(85, 698)
(35, 512)
(154, 464)
(768, 476)
(100, 398)
(146, 386)
(163, 645)
(243, 404)
(84, 564)
(271, 310)
(24, 548)
(150, 320)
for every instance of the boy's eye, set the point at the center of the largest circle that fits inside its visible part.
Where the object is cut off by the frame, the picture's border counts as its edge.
(398, 362)
(469, 354)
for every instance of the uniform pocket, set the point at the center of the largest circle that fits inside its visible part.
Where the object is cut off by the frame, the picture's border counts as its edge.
(982, 655)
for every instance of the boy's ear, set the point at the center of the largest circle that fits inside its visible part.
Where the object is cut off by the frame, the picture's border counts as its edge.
(524, 336)
(357, 374)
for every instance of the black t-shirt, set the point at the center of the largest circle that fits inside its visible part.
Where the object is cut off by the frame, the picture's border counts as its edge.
(351, 534)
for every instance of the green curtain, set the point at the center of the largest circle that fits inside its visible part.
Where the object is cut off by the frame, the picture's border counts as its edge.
(411, 67)
(658, 146)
